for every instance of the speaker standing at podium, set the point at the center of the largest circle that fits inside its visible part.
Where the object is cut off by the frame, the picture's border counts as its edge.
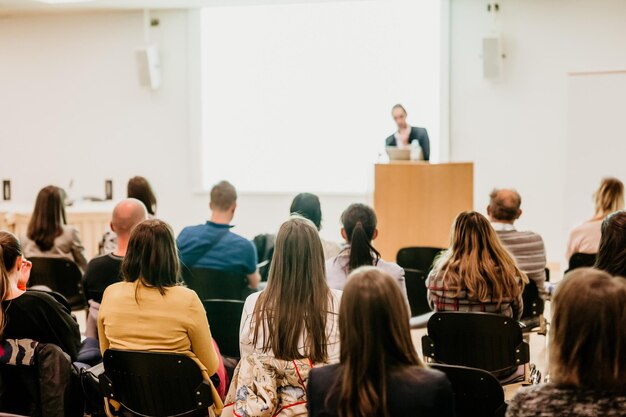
(406, 134)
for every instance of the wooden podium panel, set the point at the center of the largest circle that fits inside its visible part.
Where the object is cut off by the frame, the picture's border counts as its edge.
(417, 202)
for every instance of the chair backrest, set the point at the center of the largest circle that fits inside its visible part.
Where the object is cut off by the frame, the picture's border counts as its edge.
(60, 275)
(476, 392)
(479, 340)
(581, 260)
(415, 280)
(421, 258)
(264, 244)
(533, 303)
(224, 318)
(154, 384)
(211, 284)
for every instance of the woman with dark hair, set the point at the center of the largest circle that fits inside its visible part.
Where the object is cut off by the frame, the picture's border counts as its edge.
(295, 316)
(151, 310)
(585, 238)
(308, 206)
(476, 273)
(48, 234)
(31, 314)
(138, 188)
(359, 230)
(287, 329)
(587, 351)
(612, 252)
(380, 373)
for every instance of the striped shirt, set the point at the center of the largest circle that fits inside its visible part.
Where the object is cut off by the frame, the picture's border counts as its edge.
(442, 298)
(528, 250)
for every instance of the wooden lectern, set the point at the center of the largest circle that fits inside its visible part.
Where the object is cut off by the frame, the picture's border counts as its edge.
(416, 203)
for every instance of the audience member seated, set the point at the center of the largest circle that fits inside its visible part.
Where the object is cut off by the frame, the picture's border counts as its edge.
(308, 206)
(612, 252)
(48, 234)
(380, 373)
(140, 189)
(359, 229)
(587, 351)
(585, 238)
(476, 273)
(34, 314)
(106, 269)
(151, 311)
(295, 317)
(526, 247)
(213, 246)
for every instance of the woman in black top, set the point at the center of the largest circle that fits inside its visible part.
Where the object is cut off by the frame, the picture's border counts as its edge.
(380, 373)
(31, 314)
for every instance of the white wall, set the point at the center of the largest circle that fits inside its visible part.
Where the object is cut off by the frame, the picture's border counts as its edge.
(71, 107)
(515, 128)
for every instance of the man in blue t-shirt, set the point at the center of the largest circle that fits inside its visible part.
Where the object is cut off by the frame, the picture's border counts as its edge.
(213, 246)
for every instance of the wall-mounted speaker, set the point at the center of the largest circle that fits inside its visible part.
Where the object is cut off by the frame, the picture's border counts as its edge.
(149, 67)
(492, 57)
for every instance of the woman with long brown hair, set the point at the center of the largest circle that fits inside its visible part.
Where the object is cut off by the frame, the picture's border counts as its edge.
(585, 238)
(380, 373)
(48, 234)
(476, 273)
(587, 351)
(31, 314)
(295, 316)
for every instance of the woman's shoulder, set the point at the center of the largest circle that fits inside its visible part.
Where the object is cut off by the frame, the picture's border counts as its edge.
(324, 374)
(391, 268)
(38, 299)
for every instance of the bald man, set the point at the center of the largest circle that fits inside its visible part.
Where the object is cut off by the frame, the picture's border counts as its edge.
(527, 247)
(105, 270)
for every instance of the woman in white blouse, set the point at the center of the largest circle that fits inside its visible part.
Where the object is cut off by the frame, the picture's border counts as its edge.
(295, 317)
(359, 229)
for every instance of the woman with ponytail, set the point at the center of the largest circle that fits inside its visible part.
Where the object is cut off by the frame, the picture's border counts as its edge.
(359, 230)
(31, 314)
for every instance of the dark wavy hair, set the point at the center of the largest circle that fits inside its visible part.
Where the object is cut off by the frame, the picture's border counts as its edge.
(308, 206)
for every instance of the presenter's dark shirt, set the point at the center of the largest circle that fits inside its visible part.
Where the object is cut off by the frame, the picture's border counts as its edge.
(411, 391)
(420, 135)
(101, 272)
(37, 315)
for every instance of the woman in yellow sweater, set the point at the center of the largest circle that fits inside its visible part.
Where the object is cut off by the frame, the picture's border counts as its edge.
(150, 310)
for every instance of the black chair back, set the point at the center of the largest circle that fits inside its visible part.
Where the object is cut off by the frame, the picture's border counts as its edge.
(416, 290)
(60, 275)
(477, 393)
(264, 244)
(211, 284)
(491, 342)
(224, 318)
(581, 260)
(421, 258)
(533, 303)
(154, 384)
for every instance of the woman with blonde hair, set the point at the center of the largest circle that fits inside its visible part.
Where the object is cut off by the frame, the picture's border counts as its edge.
(585, 238)
(380, 373)
(587, 351)
(476, 273)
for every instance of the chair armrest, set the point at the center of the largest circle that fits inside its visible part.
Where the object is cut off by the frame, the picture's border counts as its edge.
(420, 322)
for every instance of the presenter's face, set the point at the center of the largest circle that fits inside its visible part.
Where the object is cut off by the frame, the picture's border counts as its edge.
(400, 118)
